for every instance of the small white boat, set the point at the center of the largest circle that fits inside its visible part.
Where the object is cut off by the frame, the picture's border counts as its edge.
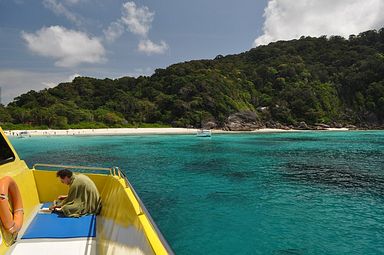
(204, 133)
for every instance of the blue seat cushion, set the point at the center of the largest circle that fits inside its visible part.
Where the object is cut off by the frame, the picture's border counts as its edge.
(56, 225)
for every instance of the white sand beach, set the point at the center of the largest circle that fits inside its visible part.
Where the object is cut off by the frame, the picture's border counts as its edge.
(136, 131)
(100, 131)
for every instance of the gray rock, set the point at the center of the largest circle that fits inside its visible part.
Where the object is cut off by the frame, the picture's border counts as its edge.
(337, 125)
(302, 125)
(322, 125)
(351, 126)
(209, 125)
(243, 121)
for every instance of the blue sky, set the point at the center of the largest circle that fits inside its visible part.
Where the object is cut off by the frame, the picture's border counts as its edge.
(45, 42)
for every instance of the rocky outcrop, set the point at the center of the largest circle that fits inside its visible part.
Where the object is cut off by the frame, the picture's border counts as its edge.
(243, 121)
(275, 125)
(250, 120)
(209, 125)
(351, 126)
(322, 125)
(302, 125)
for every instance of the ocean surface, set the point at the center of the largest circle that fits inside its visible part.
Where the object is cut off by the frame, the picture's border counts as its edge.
(280, 193)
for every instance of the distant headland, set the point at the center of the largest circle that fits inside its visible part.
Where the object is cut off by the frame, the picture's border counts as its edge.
(309, 83)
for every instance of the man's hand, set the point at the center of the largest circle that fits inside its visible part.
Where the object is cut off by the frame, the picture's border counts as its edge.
(53, 207)
(62, 197)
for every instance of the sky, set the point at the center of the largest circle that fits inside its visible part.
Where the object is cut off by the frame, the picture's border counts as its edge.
(45, 42)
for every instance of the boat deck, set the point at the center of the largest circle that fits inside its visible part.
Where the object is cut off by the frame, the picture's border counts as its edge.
(55, 234)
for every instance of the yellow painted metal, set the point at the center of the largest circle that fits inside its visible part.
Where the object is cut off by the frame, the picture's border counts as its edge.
(156, 244)
(118, 215)
(135, 203)
(49, 186)
(122, 213)
(19, 171)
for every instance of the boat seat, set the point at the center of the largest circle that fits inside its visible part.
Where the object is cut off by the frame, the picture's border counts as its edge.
(57, 226)
(56, 234)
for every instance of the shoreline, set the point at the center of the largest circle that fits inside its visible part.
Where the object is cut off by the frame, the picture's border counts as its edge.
(142, 131)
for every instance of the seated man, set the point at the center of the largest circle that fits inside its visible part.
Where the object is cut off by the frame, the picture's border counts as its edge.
(83, 197)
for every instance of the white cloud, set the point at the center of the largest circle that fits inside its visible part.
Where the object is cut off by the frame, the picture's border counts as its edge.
(54, 82)
(68, 47)
(149, 47)
(287, 19)
(114, 31)
(60, 9)
(138, 19)
(73, 76)
(16, 82)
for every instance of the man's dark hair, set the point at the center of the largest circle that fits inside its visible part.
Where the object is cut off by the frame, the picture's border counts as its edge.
(64, 173)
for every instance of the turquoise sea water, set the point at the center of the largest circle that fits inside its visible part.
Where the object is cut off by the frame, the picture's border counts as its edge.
(280, 194)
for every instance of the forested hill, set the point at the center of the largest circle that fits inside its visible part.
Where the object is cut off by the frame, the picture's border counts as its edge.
(330, 81)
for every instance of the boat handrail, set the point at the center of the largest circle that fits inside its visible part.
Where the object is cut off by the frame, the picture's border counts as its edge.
(111, 170)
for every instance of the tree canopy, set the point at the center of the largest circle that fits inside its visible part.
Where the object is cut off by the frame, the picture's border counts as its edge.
(315, 80)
